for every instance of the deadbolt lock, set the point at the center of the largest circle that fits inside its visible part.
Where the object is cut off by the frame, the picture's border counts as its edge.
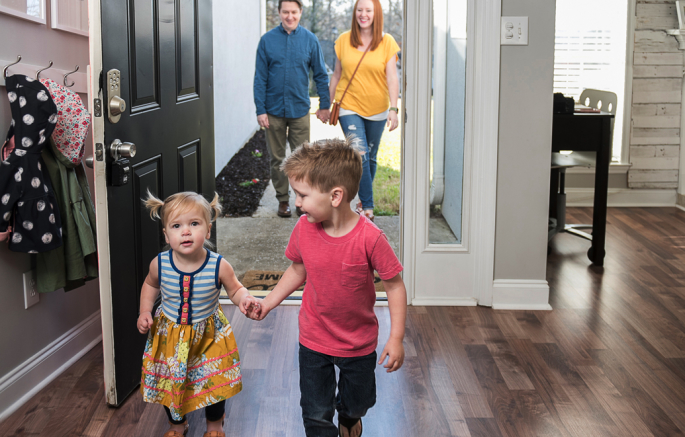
(115, 104)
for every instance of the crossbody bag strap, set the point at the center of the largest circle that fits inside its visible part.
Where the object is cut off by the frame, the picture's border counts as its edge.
(355, 72)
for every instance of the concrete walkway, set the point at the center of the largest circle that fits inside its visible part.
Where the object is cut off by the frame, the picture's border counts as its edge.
(259, 242)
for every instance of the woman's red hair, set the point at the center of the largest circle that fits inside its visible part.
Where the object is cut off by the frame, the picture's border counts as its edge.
(377, 26)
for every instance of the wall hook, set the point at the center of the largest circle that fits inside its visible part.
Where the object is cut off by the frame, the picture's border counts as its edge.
(65, 78)
(4, 70)
(41, 70)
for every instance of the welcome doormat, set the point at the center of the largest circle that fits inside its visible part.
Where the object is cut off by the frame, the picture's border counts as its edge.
(261, 282)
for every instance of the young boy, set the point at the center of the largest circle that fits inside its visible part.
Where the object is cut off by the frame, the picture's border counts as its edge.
(336, 251)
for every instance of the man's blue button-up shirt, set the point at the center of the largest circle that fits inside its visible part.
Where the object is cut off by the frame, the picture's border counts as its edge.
(281, 80)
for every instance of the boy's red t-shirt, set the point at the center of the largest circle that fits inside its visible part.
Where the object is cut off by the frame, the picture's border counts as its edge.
(337, 317)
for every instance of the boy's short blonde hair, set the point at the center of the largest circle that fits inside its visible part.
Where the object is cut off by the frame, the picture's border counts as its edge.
(326, 164)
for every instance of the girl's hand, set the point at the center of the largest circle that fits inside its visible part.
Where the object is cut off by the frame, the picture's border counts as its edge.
(5, 235)
(393, 121)
(144, 322)
(247, 304)
(394, 350)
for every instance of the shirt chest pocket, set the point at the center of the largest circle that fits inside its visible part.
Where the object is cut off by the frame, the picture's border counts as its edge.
(354, 275)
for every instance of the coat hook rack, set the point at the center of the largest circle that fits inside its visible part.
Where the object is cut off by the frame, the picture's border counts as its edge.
(65, 78)
(4, 70)
(41, 70)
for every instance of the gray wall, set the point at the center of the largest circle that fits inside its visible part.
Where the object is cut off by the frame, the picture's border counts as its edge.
(525, 132)
(29, 331)
(235, 46)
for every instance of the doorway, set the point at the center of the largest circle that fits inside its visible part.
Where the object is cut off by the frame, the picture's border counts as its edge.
(453, 272)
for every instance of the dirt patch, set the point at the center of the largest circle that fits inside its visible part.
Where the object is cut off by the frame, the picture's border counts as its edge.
(242, 182)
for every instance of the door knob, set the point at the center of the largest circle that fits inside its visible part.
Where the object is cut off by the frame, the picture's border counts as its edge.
(122, 150)
(117, 106)
(89, 161)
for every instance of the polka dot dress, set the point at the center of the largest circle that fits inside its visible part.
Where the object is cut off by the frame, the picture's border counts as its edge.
(27, 202)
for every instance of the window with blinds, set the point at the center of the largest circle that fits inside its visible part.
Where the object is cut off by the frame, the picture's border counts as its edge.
(590, 52)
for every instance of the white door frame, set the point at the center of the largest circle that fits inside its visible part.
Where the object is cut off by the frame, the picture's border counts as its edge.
(100, 188)
(480, 158)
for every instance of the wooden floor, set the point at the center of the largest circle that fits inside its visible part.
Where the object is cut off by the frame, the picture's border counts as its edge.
(609, 360)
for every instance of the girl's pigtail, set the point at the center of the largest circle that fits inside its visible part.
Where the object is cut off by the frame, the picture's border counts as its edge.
(216, 207)
(154, 205)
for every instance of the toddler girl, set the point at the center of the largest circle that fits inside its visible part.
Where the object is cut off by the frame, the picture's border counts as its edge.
(191, 359)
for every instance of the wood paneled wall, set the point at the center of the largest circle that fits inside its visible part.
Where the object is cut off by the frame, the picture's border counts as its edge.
(656, 99)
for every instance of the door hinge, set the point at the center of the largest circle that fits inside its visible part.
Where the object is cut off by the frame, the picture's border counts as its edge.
(97, 104)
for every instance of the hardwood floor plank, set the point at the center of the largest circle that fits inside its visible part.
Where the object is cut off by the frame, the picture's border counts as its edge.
(618, 408)
(644, 406)
(483, 427)
(502, 402)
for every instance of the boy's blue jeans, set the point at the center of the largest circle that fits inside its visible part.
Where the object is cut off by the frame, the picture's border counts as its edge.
(356, 389)
(368, 134)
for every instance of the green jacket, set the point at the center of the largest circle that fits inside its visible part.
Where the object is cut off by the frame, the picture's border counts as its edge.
(75, 262)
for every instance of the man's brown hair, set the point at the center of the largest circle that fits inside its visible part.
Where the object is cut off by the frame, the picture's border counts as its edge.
(326, 164)
(280, 2)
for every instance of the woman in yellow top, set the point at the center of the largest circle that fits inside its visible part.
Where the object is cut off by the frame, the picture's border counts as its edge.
(371, 99)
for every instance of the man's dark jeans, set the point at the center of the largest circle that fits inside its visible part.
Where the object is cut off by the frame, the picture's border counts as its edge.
(356, 389)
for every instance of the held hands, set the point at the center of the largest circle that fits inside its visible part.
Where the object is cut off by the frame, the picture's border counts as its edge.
(259, 311)
(394, 350)
(263, 120)
(393, 121)
(324, 115)
(248, 305)
(144, 322)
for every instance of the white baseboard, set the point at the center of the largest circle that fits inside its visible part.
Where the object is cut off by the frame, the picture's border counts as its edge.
(27, 379)
(444, 302)
(520, 294)
(623, 197)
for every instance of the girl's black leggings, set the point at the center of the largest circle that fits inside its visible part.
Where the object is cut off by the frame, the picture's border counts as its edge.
(213, 413)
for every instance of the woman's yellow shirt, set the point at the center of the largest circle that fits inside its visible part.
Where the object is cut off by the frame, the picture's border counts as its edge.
(368, 94)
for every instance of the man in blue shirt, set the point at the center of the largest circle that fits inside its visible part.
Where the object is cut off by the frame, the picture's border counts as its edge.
(281, 90)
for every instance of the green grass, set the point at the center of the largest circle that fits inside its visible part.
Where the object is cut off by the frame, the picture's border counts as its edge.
(386, 185)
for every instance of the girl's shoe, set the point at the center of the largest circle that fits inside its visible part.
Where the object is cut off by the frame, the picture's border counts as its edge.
(172, 433)
(360, 209)
(216, 433)
(369, 214)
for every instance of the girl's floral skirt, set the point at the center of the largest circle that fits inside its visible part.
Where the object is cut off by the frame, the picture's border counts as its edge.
(186, 367)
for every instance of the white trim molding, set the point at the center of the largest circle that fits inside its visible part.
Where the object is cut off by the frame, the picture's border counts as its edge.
(431, 301)
(623, 197)
(486, 137)
(101, 208)
(520, 294)
(27, 379)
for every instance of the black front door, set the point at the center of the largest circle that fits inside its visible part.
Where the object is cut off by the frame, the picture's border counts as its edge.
(163, 52)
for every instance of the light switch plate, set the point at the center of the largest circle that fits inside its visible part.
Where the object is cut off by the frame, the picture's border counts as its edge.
(514, 31)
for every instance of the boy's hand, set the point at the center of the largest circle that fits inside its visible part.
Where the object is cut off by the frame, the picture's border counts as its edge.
(144, 322)
(394, 350)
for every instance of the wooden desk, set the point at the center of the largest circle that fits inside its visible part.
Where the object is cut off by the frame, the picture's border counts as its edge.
(588, 132)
